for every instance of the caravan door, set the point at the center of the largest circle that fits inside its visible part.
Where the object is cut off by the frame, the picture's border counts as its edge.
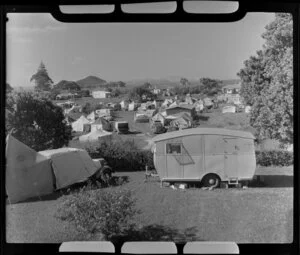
(231, 157)
(173, 160)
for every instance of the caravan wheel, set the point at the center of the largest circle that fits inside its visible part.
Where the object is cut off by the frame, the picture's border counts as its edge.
(211, 180)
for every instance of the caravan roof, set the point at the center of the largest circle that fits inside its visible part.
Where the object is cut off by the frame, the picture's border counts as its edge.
(203, 131)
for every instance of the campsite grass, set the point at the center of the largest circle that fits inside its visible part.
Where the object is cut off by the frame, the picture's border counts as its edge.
(256, 214)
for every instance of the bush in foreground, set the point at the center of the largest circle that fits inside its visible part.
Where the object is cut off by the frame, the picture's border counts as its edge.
(274, 158)
(99, 211)
(123, 155)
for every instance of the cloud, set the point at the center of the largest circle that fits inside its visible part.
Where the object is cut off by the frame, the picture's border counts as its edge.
(21, 27)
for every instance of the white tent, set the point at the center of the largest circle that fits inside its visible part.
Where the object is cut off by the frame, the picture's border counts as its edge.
(247, 109)
(78, 124)
(229, 108)
(28, 173)
(131, 106)
(70, 165)
(95, 136)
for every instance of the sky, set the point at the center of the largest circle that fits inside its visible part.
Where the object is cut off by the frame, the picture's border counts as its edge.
(128, 51)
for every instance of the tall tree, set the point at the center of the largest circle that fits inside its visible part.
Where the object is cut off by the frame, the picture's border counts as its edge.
(41, 79)
(184, 82)
(272, 80)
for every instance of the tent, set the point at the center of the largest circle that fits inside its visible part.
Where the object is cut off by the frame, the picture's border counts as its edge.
(131, 106)
(247, 109)
(95, 136)
(28, 173)
(101, 124)
(91, 116)
(77, 125)
(158, 117)
(70, 165)
(182, 120)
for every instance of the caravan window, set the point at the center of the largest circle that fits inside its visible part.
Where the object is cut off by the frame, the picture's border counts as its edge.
(173, 148)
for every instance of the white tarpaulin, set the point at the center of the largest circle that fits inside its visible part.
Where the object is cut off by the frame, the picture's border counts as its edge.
(229, 108)
(70, 165)
(28, 173)
(77, 125)
(31, 174)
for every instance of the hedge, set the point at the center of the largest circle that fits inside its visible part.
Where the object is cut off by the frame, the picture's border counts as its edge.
(123, 155)
(274, 158)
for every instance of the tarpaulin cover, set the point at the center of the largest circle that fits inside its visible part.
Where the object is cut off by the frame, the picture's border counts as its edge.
(28, 173)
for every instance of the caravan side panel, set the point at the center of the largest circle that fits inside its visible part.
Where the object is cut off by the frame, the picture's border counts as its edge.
(246, 159)
(214, 155)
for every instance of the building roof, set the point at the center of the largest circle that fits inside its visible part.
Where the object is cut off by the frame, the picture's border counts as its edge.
(232, 86)
(184, 106)
(203, 131)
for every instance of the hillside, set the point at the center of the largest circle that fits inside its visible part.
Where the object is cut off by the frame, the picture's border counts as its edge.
(91, 82)
(67, 85)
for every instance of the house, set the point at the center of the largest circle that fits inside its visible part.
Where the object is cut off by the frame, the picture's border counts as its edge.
(187, 108)
(100, 94)
(232, 88)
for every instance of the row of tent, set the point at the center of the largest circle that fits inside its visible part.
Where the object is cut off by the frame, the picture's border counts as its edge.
(31, 174)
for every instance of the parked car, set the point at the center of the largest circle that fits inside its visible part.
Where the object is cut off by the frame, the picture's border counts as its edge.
(103, 174)
(121, 127)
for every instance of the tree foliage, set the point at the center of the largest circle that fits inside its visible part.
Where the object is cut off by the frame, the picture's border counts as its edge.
(209, 86)
(184, 82)
(8, 88)
(67, 85)
(36, 121)
(267, 82)
(42, 80)
(137, 93)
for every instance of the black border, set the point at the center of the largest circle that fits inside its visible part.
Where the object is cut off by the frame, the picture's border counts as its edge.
(179, 15)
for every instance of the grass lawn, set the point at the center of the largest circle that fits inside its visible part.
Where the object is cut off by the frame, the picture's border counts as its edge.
(256, 214)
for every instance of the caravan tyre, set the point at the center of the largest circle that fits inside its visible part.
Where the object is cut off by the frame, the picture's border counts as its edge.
(211, 180)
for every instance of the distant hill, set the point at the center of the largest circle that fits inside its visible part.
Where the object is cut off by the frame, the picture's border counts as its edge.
(91, 82)
(171, 82)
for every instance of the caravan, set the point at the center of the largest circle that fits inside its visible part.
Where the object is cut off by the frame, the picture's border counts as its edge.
(210, 155)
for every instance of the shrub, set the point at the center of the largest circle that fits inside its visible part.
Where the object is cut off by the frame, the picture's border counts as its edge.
(99, 211)
(274, 158)
(122, 155)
